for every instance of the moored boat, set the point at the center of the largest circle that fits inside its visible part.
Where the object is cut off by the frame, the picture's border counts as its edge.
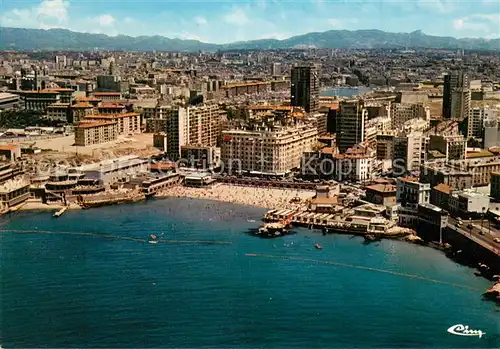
(270, 230)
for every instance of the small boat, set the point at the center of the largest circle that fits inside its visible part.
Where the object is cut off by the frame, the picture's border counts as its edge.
(370, 237)
(318, 247)
(153, 239)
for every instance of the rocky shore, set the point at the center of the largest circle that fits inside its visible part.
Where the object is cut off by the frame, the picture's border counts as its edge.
(493, 292)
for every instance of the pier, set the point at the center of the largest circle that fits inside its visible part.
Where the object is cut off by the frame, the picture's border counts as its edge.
(61, 211)
(334, 223)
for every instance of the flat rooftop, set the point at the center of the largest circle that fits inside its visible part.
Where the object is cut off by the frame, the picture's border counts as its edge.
(113, 164)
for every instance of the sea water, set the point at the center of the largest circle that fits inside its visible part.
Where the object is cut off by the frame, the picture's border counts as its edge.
(63, 290)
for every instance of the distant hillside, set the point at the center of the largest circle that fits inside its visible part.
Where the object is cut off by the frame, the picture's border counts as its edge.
(62, 39)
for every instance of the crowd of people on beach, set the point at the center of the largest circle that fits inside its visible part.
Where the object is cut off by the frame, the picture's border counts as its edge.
(253, 196)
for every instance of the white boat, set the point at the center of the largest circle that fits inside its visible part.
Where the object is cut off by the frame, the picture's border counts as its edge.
(153, 241)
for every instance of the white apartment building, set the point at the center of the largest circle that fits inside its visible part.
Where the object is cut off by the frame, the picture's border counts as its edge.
(197, 125)
(407, 151)
(266, 151)
(476, 119)
(411, 193)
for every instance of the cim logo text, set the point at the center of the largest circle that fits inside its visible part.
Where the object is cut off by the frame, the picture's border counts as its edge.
(463, 330)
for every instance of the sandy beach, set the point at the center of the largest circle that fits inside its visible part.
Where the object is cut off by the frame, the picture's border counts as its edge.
(269, 198)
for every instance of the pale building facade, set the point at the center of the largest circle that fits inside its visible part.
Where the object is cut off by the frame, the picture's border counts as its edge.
(95, 132)
(267, 151)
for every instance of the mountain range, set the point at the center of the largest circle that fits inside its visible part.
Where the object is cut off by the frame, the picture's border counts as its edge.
(61, 39)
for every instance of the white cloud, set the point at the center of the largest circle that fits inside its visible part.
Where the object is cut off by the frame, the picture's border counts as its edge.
(483, 25)
(458, 23)
(106, 20)
(200, 20)
(48, 14)
(53, 9)
(237, 17)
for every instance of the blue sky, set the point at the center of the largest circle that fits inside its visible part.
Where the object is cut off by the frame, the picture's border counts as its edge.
(222, 21)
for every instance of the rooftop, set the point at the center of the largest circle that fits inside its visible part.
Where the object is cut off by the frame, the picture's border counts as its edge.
(10, 147)
(12, 185)
(91, 124)
(443, 188)
(382, 188)
(431, 207)
(112, 116)
(477, 154)
(5, 95)
(81, 105)
(113, 164)
(107, 94)
(111, 105)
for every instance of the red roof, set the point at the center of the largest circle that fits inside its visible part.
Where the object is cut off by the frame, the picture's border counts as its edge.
(107, 94)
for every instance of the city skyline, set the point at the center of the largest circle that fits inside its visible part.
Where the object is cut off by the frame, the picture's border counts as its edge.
(209, 21)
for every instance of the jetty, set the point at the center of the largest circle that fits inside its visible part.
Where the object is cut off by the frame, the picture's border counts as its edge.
(61, 211)
(106, 200)
(371, 227)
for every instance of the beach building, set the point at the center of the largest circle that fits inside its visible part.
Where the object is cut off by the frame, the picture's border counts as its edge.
(114, 170)
(152, 185)
(13, 192)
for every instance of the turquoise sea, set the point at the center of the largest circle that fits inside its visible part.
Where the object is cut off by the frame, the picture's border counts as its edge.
(67, 291)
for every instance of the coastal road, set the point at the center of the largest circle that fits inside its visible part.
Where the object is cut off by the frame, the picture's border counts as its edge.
(475, 235)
